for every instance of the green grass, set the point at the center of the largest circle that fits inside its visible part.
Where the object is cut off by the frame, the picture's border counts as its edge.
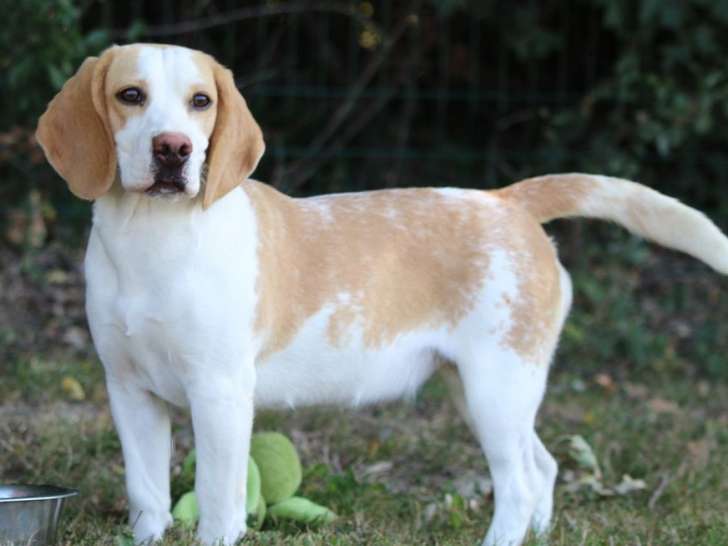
(671, 433)
(654, 326)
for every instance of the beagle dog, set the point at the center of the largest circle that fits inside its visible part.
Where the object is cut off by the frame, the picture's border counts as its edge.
(210, 290)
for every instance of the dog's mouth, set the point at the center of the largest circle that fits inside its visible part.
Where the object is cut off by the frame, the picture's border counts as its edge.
(165, 185)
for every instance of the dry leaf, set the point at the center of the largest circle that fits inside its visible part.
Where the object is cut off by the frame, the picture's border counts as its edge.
(57, 276)
(628, 485)
(660, 405)
(605, 381)
(375, 469)
(76, 337)
(73, 388)
(636, 391)
(471, 485)
(581, 452)
(700, 453)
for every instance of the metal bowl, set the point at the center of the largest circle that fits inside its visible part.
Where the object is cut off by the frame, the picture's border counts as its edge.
(29, 513)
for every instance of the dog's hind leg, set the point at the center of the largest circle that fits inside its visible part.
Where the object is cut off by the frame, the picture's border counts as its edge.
(545, 464)
(503, 394)
(548, 469)
(503, 383)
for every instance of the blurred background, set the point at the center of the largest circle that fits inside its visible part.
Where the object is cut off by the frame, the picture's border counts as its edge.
(356, 95)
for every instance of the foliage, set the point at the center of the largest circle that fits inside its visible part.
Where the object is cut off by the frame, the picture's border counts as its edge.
(469, 94)
(661, 111)
(42, 44)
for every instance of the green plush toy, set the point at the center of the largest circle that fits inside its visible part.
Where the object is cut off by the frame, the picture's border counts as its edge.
(186, 510)
(274, 475)
(301, 510)
(280, 467)
(253, 494)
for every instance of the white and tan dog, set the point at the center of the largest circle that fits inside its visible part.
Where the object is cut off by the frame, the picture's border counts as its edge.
(209, 290)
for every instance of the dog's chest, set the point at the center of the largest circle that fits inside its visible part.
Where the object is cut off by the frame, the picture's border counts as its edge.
(170, 294)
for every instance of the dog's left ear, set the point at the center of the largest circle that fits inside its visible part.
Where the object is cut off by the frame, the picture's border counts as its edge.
(236, 143)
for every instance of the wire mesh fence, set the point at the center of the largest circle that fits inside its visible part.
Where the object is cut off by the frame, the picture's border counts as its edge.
(356, 95)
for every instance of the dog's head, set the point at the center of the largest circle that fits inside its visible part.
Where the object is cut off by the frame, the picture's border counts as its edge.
(169, 118)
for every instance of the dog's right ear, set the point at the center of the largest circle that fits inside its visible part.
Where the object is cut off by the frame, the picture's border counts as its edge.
(74, 131)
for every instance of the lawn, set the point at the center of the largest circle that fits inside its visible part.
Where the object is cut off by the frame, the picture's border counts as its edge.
(639, 377)
(409, 473)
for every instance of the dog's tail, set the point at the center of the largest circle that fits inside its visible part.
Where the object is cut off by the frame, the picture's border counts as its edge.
(638, 208)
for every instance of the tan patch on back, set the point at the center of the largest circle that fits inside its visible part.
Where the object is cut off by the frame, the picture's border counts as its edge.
(383, 250)
(403, 259)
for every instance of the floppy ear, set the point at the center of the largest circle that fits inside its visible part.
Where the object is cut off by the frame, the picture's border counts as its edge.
(236, 143)
(74, 131)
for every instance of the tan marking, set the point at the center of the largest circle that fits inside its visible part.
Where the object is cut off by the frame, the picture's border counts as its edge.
(123, 72)
(405, 259)
(549, 197)
(236, 143)
(535, 312)
(75, 134)
(205, 66)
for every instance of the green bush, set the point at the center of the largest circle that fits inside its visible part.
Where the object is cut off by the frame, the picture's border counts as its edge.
(42, 45)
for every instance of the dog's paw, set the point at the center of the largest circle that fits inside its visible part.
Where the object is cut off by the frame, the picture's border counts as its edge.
(212, 535)
(148, 528)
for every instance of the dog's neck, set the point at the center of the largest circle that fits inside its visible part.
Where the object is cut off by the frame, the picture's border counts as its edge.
(141, 217)
(148, 237)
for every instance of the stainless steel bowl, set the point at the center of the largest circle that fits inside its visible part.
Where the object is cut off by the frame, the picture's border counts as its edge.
(29, 513)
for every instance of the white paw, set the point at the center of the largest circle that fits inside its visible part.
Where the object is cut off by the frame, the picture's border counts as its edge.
(149, 528)
(212, 536)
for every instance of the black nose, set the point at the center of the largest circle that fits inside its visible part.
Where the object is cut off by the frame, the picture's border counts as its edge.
(171, 149)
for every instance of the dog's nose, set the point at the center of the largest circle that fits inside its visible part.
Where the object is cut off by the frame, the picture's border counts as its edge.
(171, 149)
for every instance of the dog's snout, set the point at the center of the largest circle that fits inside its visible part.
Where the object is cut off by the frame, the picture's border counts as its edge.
(171, 149)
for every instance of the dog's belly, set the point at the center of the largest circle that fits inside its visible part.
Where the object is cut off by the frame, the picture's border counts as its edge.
(313, 369)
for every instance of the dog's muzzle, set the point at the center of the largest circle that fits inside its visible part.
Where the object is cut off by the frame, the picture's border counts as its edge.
(171, 152)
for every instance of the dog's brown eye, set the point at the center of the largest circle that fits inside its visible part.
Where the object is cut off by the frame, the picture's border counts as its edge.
(131, 95)
(200, 101)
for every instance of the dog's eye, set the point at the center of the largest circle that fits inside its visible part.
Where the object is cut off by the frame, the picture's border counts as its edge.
(131, 95)
(200, 101)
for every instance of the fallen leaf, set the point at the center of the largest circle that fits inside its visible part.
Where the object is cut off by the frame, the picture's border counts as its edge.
(628, 485)
(76, 337)
(596, 485)
(605, 381)
(636, 391)
(57, 276)
(73, 388)
(471, 485)
(700, 453)
(430, 512)
(660, 406)
(375, 469)
(582, 453)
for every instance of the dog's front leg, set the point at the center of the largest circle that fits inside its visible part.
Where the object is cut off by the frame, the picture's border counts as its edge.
(142, 422)
(222, 418)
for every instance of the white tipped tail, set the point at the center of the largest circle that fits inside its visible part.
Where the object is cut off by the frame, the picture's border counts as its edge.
(638, 208)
